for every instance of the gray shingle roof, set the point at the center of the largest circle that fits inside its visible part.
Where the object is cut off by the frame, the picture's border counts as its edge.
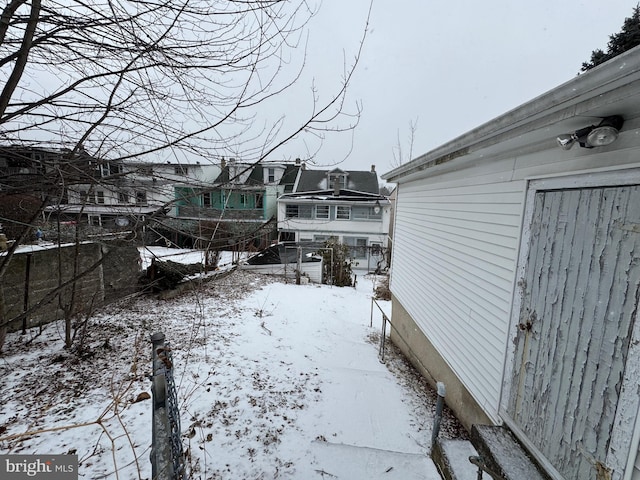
(360, 181)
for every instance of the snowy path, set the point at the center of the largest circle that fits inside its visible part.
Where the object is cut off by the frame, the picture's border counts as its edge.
(274, 381)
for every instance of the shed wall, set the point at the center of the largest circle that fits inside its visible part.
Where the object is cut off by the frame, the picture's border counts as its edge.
(457, 237)
(459, 245)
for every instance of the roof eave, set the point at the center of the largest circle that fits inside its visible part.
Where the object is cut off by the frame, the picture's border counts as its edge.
(547, 109)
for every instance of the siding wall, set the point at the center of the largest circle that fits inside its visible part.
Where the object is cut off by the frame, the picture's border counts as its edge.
(458, 245)
(456, 242)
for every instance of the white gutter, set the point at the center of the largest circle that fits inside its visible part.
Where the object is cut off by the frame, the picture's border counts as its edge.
(563, 102)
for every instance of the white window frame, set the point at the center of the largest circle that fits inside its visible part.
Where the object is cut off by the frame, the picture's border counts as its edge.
(301, 211)
(341, 216)
(289, 210)
(323, 208)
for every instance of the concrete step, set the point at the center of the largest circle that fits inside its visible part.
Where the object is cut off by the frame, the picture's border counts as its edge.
(452, 459)
(503, 455)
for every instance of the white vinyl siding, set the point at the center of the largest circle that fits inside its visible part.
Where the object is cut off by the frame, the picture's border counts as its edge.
(459, 244)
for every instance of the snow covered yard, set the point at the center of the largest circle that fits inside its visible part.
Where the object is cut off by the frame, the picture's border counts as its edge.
(274, 381)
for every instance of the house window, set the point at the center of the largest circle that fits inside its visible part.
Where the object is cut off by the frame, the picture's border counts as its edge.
(343, 212)
(206, 199)
(123, 197)
(322, 212)
(181, 170)
(305, 211)
(340, 178)
(357, 246)
(141, 196)
(259, 203)
(361, 248)
(145, 170)
(271, 175)
(291, 211)
(100, 196)
(243, 199)
(287, 236)
(366, 213)
(107, 169)
(95, 220)
(299, 211)
(87, 196)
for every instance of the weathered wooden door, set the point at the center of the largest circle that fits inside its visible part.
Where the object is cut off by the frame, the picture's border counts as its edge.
(579, 303)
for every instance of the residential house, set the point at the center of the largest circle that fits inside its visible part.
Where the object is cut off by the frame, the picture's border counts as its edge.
(125, 194)
(238, 209)
(338, 203)
(31, 175)
(43, 171)
(516, 272)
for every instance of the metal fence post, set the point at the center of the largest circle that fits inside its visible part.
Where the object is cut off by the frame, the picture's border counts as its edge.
(166, 452)
(383, 335)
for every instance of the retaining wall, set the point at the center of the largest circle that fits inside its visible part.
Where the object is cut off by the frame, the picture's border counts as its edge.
(104, 271)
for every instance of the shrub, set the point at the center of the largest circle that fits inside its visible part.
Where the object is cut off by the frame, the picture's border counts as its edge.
(337, 263)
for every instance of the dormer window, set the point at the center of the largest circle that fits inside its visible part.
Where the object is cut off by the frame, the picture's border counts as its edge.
(339, 178)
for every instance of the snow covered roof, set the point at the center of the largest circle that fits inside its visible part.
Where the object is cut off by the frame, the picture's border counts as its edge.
(105, 209)
(329, 196)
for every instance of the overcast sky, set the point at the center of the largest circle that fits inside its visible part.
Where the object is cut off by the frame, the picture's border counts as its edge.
(445, 66)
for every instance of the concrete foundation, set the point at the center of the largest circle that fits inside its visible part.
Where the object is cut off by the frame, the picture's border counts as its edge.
(423, 355)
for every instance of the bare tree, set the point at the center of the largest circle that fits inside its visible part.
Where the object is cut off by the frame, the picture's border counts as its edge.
(400, 155)
(114, 80)
(126, 78)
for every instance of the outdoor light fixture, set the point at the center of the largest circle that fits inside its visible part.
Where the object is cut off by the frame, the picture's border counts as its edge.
(376, 207)
(599, 135)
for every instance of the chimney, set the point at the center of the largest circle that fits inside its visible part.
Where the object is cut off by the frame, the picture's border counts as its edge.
(373, 169)
(223, 163)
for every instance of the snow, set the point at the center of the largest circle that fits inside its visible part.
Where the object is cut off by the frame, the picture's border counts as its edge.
(274, 380)
(457, 453)
(178, 255)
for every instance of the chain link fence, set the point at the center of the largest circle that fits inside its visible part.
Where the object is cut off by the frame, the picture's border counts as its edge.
(167, 458)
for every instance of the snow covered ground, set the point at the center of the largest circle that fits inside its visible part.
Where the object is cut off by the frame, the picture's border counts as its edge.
(274, 380)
